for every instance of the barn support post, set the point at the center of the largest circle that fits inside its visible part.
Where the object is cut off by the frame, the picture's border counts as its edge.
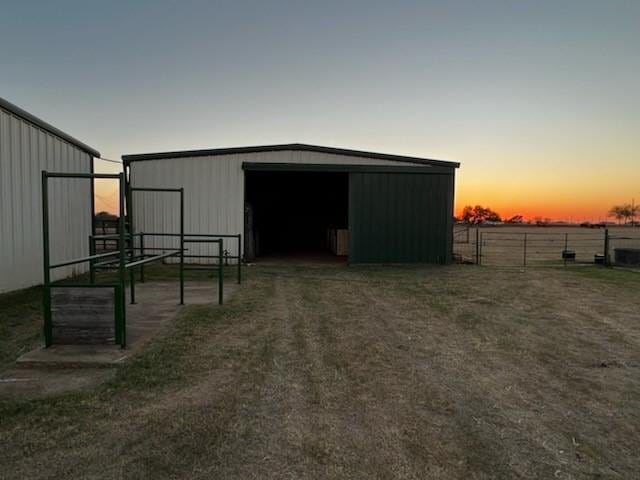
(46, 296)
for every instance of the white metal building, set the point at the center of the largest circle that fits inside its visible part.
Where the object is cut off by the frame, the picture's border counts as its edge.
(29, 145)
(396, 208)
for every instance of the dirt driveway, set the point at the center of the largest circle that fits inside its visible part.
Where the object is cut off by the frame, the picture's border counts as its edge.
(329, 372)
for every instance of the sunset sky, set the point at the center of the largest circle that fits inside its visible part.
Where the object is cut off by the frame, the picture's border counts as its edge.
(538, 100)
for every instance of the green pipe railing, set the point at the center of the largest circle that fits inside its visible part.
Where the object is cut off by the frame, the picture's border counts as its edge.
(237, 236)
(123, 250)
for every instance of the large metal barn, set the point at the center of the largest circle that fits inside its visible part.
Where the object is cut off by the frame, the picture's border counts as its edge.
(298, 199)
(28, 146)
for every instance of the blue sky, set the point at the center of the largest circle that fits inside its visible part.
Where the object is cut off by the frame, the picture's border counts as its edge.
(527, 95)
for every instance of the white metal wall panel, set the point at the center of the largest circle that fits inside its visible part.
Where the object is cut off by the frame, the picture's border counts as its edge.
(26, 150)
(214, 192)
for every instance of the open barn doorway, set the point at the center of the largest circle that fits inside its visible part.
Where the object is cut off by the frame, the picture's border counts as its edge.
(297, 215)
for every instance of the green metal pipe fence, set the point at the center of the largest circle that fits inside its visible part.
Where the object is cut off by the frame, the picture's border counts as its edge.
(180, 191)
(126, 249)
(120, 312)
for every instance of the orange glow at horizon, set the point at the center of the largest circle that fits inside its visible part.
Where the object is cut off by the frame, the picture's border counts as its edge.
(106, 190)
(106, 197)
(562, 183)
(578, 206)
(532, 200)
(576, 187)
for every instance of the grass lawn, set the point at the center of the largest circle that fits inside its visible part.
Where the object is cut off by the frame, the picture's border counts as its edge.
(361, 372)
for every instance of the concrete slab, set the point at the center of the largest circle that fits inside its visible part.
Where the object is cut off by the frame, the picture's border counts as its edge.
(74, 356)
(156, 304)
(63, 368)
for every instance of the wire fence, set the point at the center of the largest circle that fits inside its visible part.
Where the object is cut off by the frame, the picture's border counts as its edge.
(528, 246)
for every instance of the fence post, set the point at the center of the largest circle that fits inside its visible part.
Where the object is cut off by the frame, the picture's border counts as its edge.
(122, 339)
(566, 247)
(477, 246)
(524, 261)
(182, 246)
(606, 248)
(92, 269)
(220, 272)
(142, 256)
(131, 244)
(46, 295)
(239, 258)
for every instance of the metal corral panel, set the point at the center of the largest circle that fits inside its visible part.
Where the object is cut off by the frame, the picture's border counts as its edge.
(398, 217)
(214, 192)
(26, 150)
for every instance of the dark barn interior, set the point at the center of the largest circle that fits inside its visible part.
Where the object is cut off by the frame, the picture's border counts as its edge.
(291, 212)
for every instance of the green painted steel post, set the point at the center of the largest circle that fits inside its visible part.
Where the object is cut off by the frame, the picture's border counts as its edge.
(607, 261)
(132, 285)
(220, 273)
(239, 259)
(142, 255)
(132, 244)
(121, 268)
(182, 246)
(92, 269)
(120, 308)
(46, 294)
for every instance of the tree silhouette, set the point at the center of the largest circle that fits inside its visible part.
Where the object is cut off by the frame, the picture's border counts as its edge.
(624, 212)
(479, 214)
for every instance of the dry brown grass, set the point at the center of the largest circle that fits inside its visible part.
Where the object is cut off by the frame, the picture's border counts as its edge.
(328, 372)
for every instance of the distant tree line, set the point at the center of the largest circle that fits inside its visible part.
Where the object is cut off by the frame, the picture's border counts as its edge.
(479, 214)
(106, 216)
(475, 215)
(625, 212)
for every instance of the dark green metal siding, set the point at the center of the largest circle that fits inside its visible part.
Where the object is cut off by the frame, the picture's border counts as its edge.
(400, 217)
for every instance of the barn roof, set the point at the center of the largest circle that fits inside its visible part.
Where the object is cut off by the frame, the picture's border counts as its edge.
(23, 114)
(286, 147)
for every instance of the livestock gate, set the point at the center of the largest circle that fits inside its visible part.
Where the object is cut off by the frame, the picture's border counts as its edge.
(529, 246)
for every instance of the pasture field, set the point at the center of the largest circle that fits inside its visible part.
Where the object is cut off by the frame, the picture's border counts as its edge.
(363, 372)
(507, 245)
